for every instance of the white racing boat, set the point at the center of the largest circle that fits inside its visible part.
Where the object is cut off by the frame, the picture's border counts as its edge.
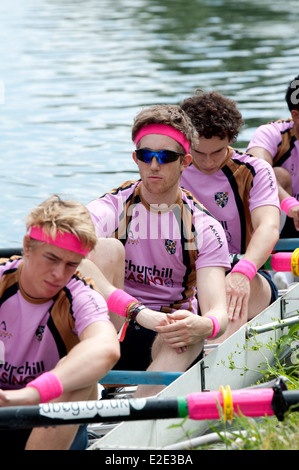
(235, 362)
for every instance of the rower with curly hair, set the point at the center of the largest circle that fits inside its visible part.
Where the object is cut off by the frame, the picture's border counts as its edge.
(241, 192)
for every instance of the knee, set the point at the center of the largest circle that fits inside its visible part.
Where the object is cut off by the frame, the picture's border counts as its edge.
(107, 251)
(284, 178)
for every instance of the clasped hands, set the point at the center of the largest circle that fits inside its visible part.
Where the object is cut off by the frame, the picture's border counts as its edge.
(179, 329)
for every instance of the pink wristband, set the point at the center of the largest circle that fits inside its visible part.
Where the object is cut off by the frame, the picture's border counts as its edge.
(287, 203)
(216, 326)
(48, 386)
(118, 302)
(246, 267)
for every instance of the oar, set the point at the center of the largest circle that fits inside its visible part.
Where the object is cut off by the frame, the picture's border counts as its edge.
(198, 406)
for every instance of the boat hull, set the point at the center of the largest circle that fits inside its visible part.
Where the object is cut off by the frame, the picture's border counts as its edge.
(235, 362)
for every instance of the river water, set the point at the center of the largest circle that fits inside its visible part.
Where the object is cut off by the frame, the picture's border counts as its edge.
(74, 74)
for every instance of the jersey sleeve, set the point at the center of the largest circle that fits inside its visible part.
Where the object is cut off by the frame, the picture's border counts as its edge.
(211, 243)
(264, 191)
(88, 305)
(267, 137)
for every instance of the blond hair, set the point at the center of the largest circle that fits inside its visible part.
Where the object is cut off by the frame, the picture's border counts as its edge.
(55, 215)
(170, 115)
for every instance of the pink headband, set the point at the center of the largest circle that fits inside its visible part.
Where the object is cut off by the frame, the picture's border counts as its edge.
(163, 129)
(65, 240)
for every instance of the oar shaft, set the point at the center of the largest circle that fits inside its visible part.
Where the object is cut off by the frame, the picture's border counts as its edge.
(64, 413)
(199, 406)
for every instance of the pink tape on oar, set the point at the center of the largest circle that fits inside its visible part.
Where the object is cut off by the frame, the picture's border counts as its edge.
(281, 262)
(255, 402)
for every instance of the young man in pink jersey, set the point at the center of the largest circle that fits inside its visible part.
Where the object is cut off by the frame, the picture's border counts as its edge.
(175, 251)
(278, 144)
(241, 192)
(56, 336)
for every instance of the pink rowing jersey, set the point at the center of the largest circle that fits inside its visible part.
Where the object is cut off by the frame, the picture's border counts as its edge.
(239, 186)
(35, 334)
(282, 141)
(164, 246)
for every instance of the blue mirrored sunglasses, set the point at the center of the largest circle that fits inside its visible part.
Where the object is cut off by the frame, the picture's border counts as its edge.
(163, 156)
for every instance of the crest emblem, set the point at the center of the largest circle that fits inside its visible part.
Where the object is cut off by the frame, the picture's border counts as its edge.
(39, 333)
(170, 246)
(221, 199)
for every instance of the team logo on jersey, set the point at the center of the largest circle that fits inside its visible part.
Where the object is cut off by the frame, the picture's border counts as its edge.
(39, 332)
(131, 239)
(3, 330)
(170, 246)
(221, 199)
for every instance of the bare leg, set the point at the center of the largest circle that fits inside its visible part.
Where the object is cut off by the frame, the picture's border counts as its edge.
(167, 359)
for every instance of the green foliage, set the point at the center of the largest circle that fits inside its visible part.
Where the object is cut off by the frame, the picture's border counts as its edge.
(268, 433)
(265, 433)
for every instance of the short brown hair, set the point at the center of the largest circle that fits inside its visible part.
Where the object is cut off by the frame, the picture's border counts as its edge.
(213, 114)
(170, 115)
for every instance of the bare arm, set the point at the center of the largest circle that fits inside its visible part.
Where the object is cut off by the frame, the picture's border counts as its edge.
(189, 328)
(94, 356)
(265, 220)
(264, 154)
(261, 153)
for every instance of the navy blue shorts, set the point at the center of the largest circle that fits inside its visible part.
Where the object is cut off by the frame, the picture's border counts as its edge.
(274, 290)
(16, 439)
(288, 230)
(135, 349)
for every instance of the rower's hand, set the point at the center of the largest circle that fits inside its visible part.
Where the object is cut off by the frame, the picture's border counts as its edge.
(185, 329)
(294, 214)
(237, 294)
(23, 396)
(154, 320)
(151, 318)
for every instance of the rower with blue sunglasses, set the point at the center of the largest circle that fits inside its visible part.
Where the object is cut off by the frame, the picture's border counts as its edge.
(175, 252)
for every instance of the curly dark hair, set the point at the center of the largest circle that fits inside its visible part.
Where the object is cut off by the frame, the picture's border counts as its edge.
(292, 94)
(213, 114)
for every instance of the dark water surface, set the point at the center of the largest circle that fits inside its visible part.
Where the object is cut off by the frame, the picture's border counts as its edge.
(74, 74)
